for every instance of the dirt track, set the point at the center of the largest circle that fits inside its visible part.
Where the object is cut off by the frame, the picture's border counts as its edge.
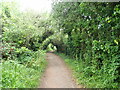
(57, 74)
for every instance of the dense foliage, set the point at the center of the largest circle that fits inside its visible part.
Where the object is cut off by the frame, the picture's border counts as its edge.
(89, 33)
(23, 62)
(27, 75)
(93, 40)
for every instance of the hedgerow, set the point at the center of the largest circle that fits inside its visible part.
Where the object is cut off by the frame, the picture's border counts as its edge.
(89, 33)
(93, 40)
(22, 60)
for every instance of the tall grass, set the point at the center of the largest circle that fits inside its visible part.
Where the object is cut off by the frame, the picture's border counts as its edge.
(16, 75)
(81, 73)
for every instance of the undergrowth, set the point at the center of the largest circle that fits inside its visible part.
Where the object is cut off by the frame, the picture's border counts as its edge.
(22, 59)
(81, 73)
(17, 75)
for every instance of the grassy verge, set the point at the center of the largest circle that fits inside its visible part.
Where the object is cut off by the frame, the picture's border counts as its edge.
(73, 64)
(81, 73)
(25, 75)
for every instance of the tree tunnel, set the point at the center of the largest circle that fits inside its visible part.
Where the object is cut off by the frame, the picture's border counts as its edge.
(60, 47)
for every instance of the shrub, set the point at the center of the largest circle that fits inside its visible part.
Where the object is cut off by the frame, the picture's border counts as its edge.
(15, 75)
(8, 51)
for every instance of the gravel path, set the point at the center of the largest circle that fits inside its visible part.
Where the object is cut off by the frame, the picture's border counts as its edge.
(57, 74)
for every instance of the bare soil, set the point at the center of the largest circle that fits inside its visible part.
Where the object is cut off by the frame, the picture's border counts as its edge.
(57, 74)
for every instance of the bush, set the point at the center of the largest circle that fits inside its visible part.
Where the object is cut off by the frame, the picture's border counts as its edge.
(15, 75)
(88, 75)
(23, 54)
(23, 62)
(8, 51)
